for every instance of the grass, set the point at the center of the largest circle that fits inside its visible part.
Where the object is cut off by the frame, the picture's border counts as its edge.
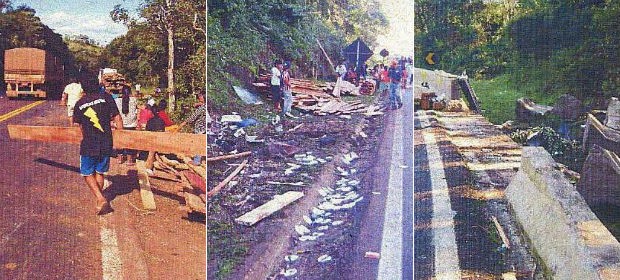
(498, 96)
(225, 246)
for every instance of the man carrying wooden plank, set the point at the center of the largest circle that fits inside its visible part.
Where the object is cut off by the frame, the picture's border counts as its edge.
(93, 113)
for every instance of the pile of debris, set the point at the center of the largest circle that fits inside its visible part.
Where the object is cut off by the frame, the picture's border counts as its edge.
(190, 180)
(324, 99)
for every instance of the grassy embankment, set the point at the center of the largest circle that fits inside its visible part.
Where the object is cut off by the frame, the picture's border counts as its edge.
(498, 96)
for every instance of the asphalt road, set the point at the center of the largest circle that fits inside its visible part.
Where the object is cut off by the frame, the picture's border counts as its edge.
(47, 226)
(387, 225)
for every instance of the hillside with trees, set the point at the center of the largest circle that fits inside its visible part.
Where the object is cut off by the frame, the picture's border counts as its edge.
(246, 37)
(541, 49)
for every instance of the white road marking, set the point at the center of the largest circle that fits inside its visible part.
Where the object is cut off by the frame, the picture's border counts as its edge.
(111, 262)
(390, 263)
(444, 238)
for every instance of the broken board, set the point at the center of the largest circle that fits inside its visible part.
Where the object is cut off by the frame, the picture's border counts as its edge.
(164, 142)
(272, 206)
(148, 201)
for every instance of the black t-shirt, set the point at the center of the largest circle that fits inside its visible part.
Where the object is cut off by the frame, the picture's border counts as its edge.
(94, 112)
(155, 123)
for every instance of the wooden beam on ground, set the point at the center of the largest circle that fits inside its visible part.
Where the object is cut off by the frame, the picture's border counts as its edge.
(195, 203)
(210, 159)
(164, 142)
(148, 200)
(232, 175)
(272, 206)
(501, 232)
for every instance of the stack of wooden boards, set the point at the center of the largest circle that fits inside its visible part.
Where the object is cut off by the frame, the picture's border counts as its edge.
(322, 99)
(192, 178)
(113, 81)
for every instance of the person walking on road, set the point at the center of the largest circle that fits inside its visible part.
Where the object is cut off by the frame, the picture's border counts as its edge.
(127, 104)
(341, 70)
(70, 95)
(395, 75)
(276, 77)
(287, 93)
(94, 113)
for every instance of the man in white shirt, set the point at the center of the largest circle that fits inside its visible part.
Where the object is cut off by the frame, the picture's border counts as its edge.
(276, 76)
(341, 70)
(72, 93)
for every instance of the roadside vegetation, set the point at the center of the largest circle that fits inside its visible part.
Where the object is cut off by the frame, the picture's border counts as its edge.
(534, 49)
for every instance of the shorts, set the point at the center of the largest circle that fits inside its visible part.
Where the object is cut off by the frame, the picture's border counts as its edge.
(276, 93)
(91, 164)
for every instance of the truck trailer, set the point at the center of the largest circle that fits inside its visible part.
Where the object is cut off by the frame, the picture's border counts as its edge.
(32, 72)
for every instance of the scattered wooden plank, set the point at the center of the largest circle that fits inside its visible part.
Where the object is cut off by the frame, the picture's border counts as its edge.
(296, 127)
(210, 159)
(295, 184)
(165, 142)
(148, 200)
(501, 232)
(272, 206)
(196, 181)
(195, 203)
(162, 161)
(172, 163)
(198, 169)
(232, 175)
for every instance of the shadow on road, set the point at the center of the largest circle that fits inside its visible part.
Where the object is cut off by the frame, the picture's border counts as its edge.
(121, 185)
(58, 165)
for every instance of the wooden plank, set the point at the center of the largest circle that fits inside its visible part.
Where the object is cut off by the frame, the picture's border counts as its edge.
(272, 206)
(501, 232)
(148, 200)
(232, 175)
(165, 142)
(210, 159)
(200, 170)
(195, 203)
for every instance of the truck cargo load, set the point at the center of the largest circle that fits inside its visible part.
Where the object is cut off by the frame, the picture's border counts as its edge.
(32, 72)
(111, 79)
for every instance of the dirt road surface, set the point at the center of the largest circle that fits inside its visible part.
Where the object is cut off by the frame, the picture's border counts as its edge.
(48, 226)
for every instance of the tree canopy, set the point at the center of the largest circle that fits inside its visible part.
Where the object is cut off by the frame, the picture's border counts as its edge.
(561, 46)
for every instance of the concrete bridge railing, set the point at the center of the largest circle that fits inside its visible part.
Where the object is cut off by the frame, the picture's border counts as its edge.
(571, 241)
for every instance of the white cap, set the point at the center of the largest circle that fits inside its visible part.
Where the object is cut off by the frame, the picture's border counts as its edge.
(151, 102)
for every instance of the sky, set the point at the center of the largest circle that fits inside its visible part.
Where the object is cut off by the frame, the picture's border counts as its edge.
(92, 18)
(74, 17)
(399, 39)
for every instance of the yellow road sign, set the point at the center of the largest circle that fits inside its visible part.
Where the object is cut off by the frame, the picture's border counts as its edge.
(429, 58)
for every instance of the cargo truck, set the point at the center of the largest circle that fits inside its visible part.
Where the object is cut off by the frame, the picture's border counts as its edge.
(32, 72)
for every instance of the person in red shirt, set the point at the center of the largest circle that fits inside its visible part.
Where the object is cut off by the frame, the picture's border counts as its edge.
(163, 104)
(145, 113)
(385, 81)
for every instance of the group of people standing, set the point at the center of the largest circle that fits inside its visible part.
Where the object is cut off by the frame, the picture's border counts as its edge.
(98, 111)
(281, 89)
(390, 79)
